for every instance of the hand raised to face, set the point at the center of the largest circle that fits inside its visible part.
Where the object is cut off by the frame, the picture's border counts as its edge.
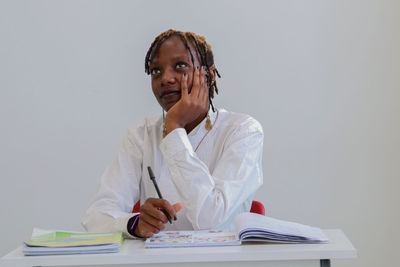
(192, 107)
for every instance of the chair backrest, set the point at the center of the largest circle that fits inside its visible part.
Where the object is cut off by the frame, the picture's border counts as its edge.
(136, 208)
(256, 207)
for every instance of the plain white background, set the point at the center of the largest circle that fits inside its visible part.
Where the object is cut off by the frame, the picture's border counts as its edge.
(322, 77)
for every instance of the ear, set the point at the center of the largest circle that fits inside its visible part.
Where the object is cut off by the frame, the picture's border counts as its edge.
(213, 72)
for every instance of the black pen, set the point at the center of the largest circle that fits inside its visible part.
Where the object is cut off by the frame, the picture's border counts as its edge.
(151, 174)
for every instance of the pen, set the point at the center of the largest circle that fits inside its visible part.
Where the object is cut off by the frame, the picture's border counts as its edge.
(151, 174)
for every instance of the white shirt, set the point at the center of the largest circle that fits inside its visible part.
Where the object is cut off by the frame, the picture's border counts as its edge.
(214, 182)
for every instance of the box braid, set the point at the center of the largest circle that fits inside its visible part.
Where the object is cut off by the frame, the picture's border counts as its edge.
(203, 50)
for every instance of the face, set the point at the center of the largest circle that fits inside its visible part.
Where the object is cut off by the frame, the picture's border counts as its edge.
(167, 68)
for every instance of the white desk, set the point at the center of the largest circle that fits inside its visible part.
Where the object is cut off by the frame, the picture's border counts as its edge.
(254, 254)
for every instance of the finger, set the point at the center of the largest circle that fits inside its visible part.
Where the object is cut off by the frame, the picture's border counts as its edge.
(166, 206)
(203, 83)
(203, 90)
(205, 95)
(155, 205)
(196, 83)
(153, 208)
(156, 223)
(145, 229)
(177, 207)
(155, 216)
(184, 87)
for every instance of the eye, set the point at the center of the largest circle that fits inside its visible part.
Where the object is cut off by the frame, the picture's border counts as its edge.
(180, 65)
(155, 71)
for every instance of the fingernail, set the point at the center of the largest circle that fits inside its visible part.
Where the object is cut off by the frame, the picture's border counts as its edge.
(175, 218)
(198, 67)
(185, 74)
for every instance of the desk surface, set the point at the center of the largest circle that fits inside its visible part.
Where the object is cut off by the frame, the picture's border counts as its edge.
(133, 252)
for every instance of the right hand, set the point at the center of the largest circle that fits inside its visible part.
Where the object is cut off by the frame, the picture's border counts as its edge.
(191, 105)
(152, 219)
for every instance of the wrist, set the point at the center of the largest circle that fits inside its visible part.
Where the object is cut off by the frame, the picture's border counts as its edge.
(171, 125)
(132, 225)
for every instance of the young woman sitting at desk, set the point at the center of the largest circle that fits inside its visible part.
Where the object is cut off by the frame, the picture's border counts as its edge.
(206, 160)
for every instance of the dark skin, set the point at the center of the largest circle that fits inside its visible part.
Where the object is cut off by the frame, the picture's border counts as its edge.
(185, 98)
(181, 89)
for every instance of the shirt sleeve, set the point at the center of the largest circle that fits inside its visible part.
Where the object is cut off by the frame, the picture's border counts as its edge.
(111, 207)
(212, 198)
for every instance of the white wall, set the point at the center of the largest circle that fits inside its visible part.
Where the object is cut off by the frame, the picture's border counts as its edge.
(321, 76)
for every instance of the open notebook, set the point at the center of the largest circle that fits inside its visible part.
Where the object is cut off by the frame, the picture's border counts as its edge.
(248, 227)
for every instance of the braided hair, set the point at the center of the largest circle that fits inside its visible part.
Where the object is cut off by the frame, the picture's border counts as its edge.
(203, 50)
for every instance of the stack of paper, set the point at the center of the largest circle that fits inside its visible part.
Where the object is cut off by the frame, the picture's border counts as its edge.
(45, 242)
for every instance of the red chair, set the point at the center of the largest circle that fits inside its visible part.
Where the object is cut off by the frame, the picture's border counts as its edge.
(256, 207)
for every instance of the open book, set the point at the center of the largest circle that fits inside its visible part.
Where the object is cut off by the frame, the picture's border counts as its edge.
(248, 227)
(49, 242)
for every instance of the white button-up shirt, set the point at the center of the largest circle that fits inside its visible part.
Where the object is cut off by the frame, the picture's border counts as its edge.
(214, 174)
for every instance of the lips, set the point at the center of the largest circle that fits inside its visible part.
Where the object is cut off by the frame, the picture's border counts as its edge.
(170, 93)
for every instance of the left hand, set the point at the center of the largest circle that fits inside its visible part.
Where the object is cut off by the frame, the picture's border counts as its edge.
(191, 105)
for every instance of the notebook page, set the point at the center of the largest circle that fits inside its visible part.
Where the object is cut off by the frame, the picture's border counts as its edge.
(253, 221)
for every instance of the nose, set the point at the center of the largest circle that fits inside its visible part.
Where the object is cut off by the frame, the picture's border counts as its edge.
(168, 77)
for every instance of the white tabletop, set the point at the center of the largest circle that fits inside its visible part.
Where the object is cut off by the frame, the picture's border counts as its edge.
(133, 252)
